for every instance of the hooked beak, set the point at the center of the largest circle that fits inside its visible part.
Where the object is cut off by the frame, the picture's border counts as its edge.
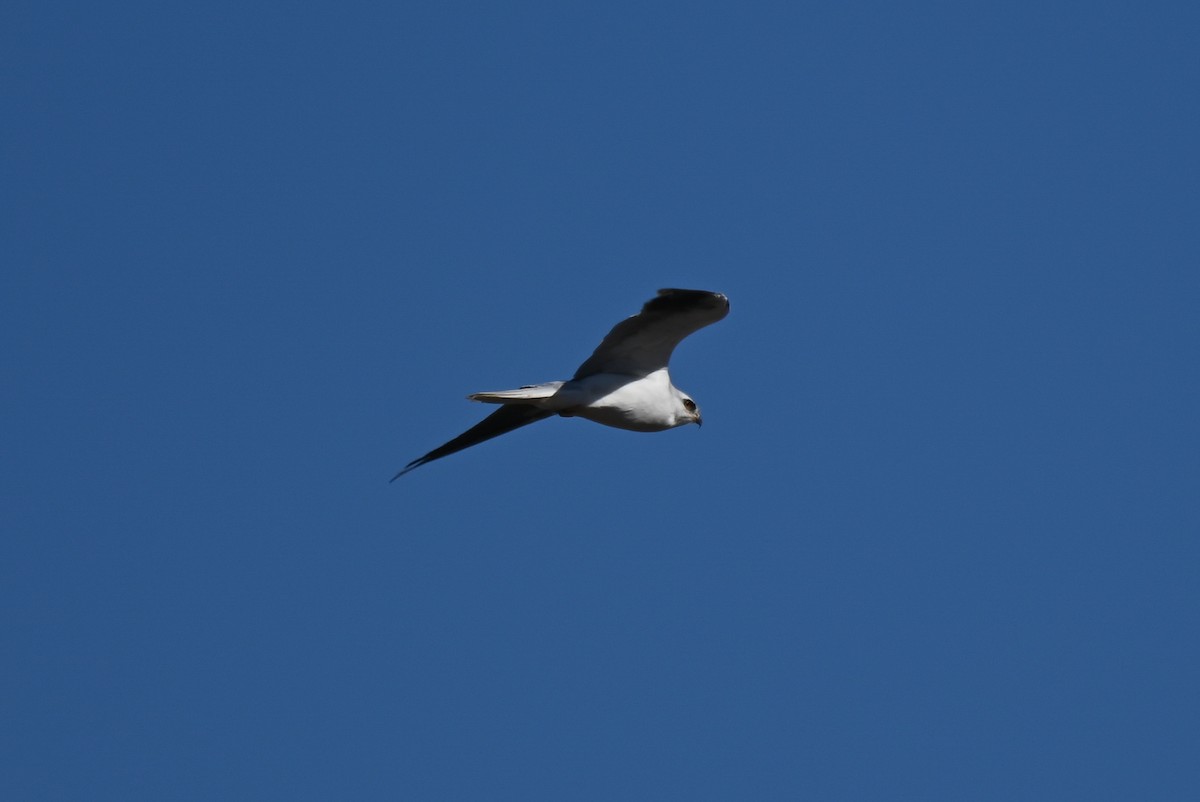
(699, 422)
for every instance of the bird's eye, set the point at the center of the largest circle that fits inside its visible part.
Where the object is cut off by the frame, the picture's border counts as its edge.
(689, 405)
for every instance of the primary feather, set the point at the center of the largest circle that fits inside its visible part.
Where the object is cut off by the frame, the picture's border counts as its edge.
(642, 344)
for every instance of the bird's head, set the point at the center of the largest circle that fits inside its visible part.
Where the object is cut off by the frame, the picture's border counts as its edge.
(688, 412)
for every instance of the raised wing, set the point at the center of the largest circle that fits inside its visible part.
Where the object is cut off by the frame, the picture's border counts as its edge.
(642, 344)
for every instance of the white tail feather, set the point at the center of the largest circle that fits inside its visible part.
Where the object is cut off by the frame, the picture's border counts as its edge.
(529, 393)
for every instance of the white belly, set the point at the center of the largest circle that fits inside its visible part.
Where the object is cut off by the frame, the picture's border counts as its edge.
(644, 404)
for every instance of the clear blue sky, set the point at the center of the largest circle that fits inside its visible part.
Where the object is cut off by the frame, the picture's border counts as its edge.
(939, 538)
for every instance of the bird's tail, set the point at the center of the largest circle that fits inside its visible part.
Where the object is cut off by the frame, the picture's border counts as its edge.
(526, 394)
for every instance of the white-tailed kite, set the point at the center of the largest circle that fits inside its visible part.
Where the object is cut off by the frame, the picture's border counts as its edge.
(624, 383)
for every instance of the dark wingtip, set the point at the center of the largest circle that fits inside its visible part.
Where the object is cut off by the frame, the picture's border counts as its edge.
(675, 299)
(693, 295)
(417, 463)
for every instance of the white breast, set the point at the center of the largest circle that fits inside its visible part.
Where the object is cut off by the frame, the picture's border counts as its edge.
(646, 404)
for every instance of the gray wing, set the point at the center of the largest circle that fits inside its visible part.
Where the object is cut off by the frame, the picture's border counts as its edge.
(643, 343)
(502, 421)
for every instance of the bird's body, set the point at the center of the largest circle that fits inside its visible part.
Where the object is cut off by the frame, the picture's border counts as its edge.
(648, 404)
(624, 384)
(640, 404)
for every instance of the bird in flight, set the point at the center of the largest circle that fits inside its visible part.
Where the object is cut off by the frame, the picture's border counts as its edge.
(624, 383)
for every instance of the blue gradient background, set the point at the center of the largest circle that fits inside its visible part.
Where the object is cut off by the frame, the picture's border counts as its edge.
(938, 538)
